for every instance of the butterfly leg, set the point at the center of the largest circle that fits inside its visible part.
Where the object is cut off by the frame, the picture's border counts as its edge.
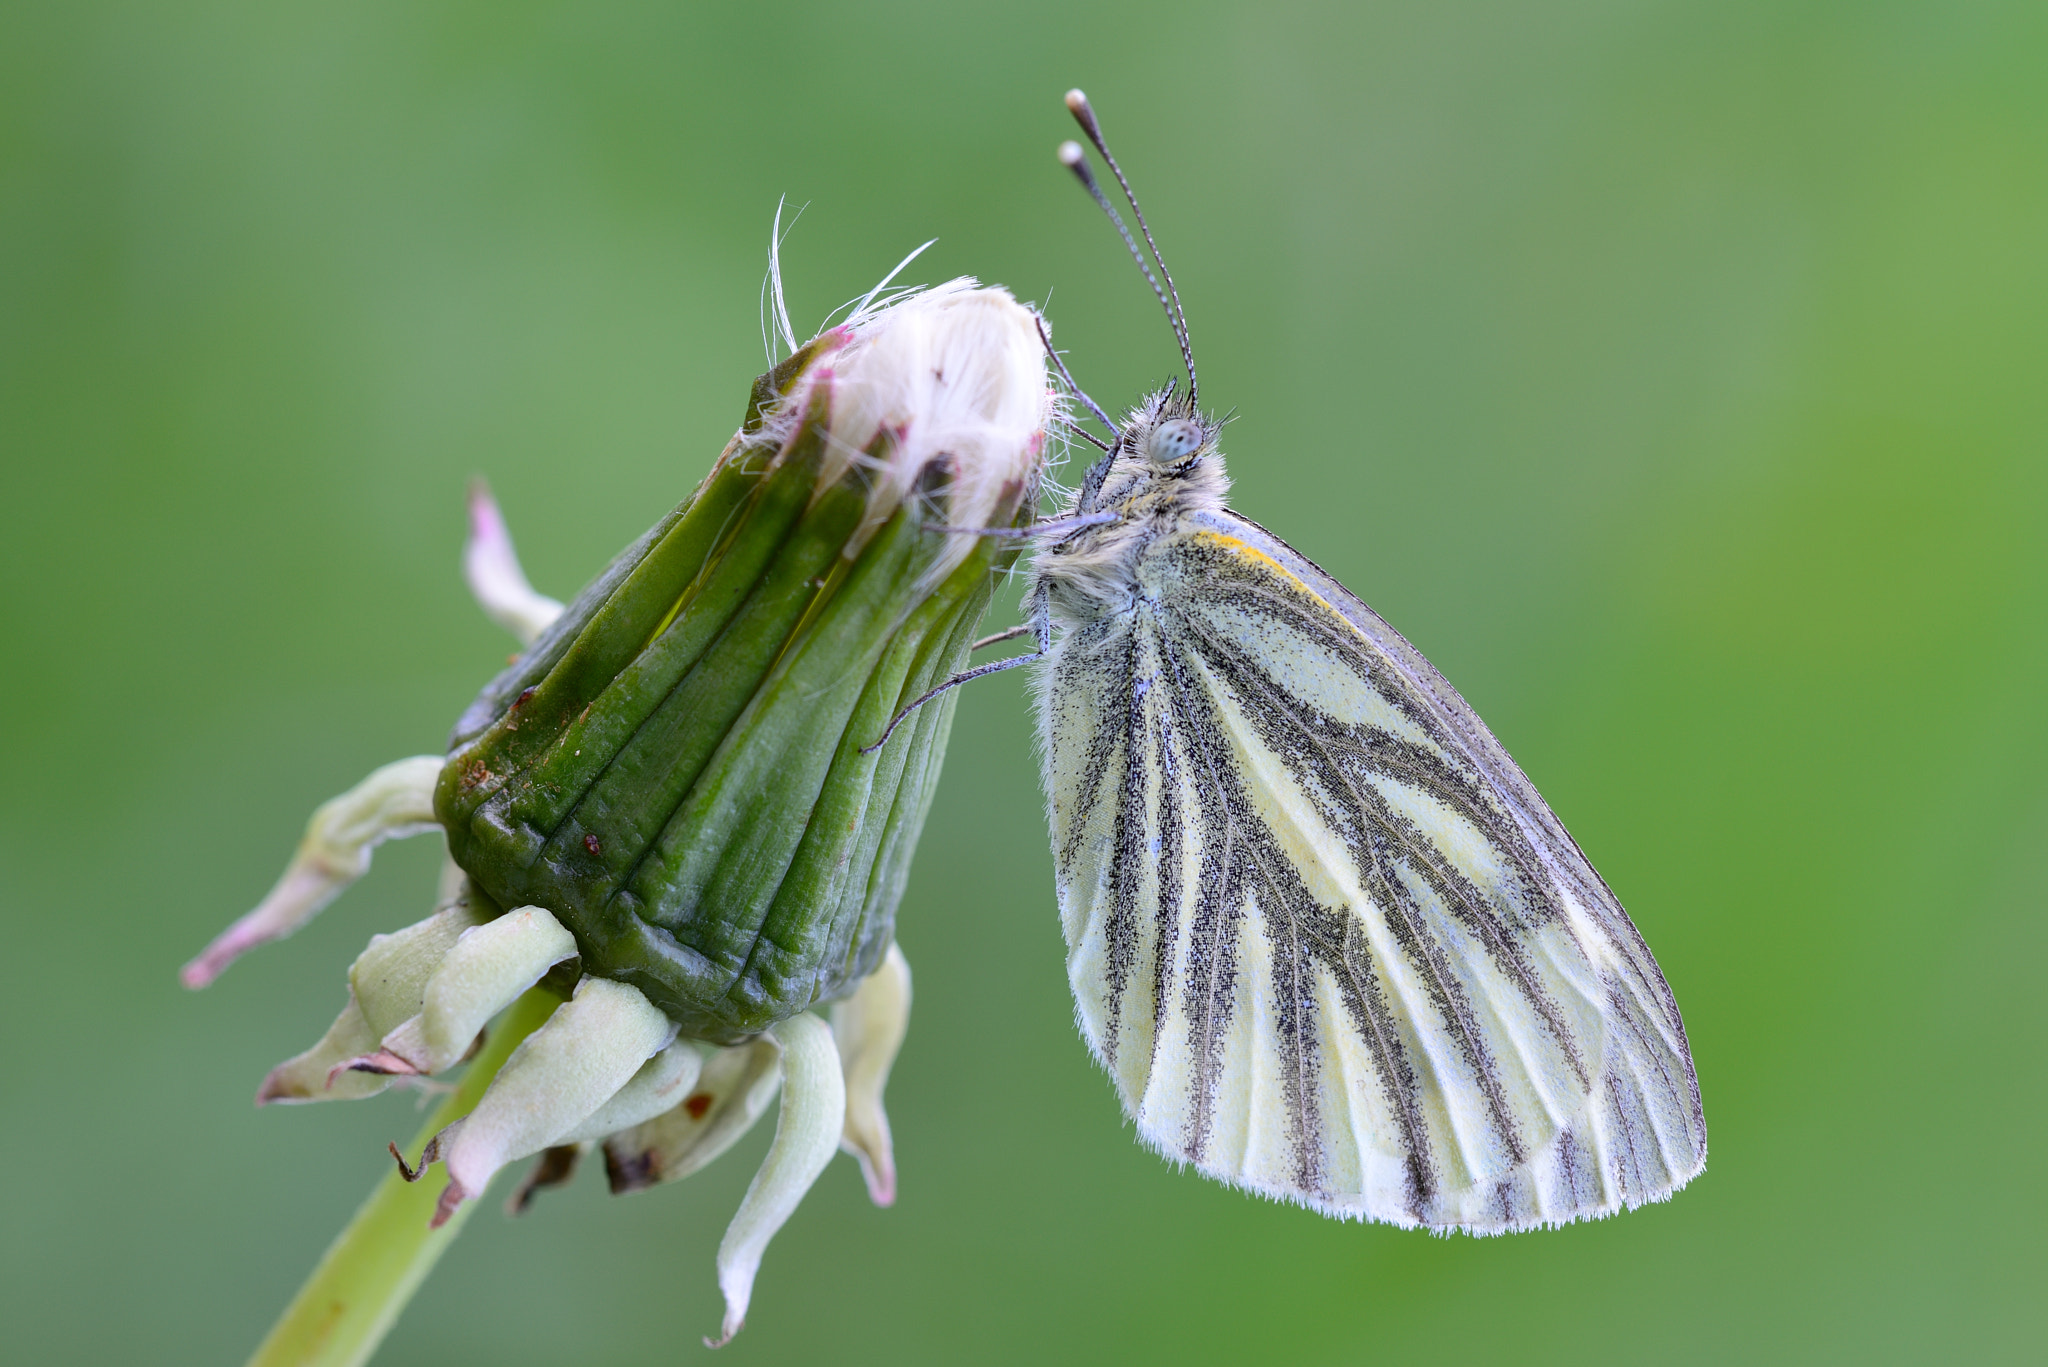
(1021, 629)
(1040, 626)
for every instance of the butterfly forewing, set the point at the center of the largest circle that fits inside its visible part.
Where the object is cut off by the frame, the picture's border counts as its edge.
(1328, 940)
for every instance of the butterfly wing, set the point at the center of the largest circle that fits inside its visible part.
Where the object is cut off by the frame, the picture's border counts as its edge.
(1327, 938)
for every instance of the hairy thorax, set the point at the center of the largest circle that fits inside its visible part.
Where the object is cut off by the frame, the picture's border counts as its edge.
(1095, 571)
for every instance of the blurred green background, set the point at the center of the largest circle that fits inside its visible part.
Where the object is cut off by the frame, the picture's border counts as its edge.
(1672, 373)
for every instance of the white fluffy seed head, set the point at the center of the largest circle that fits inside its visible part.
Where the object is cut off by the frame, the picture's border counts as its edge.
(955, 373)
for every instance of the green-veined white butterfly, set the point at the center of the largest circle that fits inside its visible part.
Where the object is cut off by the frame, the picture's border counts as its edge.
(1329, 941)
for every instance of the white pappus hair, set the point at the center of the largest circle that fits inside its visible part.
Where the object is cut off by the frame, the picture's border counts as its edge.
(954, 374)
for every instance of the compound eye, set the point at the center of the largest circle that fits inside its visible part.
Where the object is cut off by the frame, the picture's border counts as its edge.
(1173, 441)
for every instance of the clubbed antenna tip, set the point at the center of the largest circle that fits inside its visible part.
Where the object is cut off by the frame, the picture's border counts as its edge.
(1076, 160)
(1083, 112)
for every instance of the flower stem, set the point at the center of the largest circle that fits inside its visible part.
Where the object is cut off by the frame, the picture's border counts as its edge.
(371, 1270)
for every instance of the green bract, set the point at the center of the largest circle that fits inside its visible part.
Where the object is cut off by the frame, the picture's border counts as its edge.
(675, 768)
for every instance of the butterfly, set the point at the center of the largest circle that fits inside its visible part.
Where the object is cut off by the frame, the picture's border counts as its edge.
(1327, 939)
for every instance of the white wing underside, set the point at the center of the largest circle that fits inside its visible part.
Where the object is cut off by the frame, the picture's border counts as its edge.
(1328, 940)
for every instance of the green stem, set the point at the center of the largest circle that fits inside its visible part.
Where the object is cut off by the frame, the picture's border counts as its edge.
(371, 1270)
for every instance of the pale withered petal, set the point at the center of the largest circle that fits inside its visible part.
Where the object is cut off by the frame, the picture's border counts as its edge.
(397, 800)
(386, 985)
(734, 1089)
(869, 1028)
(806, 1136)
(322, 1073)
(660, 1085)
(492, 568)
(483, 972)
(590, 1048)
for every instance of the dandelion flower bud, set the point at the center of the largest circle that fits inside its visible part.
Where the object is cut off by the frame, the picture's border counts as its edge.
(675, 769)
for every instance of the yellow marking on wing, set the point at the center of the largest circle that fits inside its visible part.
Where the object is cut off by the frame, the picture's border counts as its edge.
(1247, 551)
(1253, 554)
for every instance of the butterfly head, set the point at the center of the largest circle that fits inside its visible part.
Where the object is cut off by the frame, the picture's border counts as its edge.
(1166, 449)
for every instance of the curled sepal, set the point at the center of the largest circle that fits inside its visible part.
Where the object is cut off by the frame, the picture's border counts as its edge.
(397, 800)
(660, 1085)
(322, 1072)
(869, 1028)
(386, 984)
(563, 1072)
(730, 1094)
(492, 568)
(481, 974)
(806, 1135)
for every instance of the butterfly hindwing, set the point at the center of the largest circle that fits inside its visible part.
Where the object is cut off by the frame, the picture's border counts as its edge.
(1323, 933)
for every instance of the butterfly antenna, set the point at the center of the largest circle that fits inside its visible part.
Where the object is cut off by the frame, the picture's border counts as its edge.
(1077, 161)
